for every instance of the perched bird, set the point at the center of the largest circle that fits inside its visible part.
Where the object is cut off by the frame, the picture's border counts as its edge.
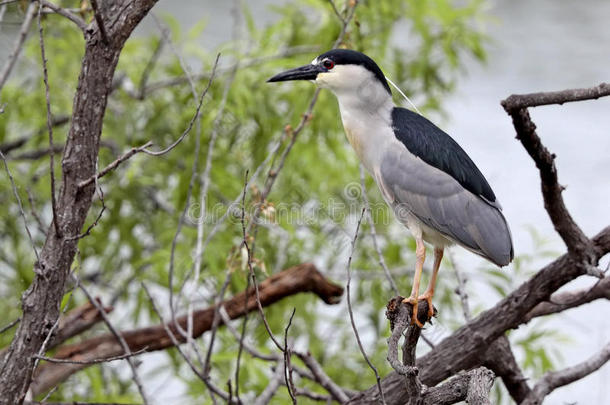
(432, 185)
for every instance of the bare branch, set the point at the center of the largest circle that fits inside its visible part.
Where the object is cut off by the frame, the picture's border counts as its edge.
(556, 379)
(41, 301)
(519, 101)
(14, 55)
(49, 122)
(302, 278)
(322, 378)
(9, 325)
(192, 121)
(80, 23)
(125, 156)
(127, 352)
(559, 302)
(574, 238)
(351, 313)
(89, 362)
(21, 211)
(172, 337)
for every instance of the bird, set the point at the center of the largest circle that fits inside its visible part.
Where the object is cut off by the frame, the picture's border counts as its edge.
(430, 182)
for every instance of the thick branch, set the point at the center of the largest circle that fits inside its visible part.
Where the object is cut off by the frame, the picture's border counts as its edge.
(302, 278)
(575, 240)
(473, 385)
(461, 350)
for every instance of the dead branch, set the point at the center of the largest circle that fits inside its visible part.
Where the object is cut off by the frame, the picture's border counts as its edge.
(570, 299)
(399, 315)
(302, 278)
(518, 101)
(556, 379)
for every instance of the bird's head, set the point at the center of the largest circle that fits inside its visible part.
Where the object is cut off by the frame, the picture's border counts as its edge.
(344, 72)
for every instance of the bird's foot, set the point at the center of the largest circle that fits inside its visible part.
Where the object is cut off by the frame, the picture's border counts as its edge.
(415, 304)
(427, 296)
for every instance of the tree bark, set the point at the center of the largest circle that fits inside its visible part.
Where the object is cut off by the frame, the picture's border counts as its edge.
(41, 301)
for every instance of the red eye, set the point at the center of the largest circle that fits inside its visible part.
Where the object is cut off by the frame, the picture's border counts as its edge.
(328, 64)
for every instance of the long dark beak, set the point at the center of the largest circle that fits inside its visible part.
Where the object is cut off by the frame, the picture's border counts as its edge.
(307, 72)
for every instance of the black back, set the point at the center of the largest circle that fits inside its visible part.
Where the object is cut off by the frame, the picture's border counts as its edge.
(349, 57)
(431, 144)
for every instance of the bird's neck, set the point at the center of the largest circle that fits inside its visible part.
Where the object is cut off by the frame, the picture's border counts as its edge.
(363, 120)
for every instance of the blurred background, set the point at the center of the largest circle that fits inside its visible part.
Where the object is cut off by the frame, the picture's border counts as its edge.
(455, 59)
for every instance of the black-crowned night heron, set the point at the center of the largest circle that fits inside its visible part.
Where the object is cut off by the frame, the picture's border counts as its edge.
(424, 175)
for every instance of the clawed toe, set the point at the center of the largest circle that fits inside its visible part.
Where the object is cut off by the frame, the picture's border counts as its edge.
(415, 304)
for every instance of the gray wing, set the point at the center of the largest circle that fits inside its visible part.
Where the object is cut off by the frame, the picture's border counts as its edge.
(443, 204)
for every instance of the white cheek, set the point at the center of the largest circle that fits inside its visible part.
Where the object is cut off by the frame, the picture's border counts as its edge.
(323, 80)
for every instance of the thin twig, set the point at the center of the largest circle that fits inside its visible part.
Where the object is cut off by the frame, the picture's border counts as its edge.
(80, 23)
(215, 323)
(321, 377)
(251, 270)
(10, 325)
(94, 361)
(225, 396)
(125, 156)
(58, 230)
(192, 121)
(14, 55)
(351, 313)
(287, 361)
(122, 342)
(199, 243)
(461, 288)
(247, 346)
(16, 193)
(336, 11)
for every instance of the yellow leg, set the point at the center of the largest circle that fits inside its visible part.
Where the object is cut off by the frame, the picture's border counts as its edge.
(438, 256)
(420, 253)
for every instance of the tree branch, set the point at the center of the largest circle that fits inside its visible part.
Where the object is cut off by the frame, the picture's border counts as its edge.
(519, 101)
(462, 349)
(41, 301)
(556, 379)
(570, 299)
(301, 278)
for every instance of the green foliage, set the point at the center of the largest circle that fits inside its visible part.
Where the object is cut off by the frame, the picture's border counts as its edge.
(421, 45)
